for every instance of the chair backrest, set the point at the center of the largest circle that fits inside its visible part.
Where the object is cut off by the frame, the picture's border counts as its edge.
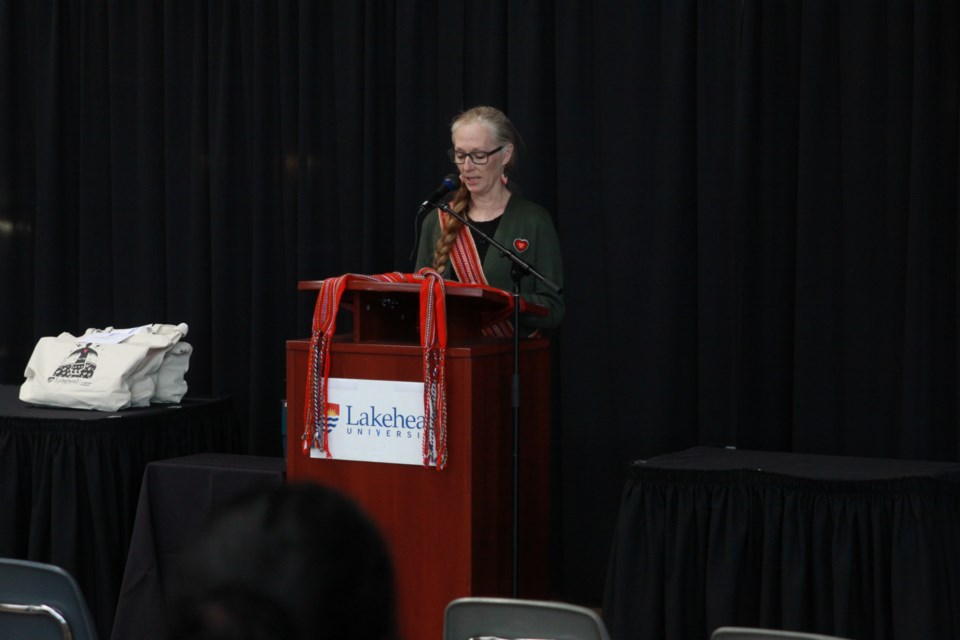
(512, 619)
(41, 602)
(752, 633)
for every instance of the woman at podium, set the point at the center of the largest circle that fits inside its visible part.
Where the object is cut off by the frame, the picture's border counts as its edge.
(484, 150)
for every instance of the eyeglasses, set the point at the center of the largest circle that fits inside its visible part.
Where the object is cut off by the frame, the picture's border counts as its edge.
(477, 157)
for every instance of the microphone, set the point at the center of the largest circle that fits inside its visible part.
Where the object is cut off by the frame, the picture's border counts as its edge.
(450, 182)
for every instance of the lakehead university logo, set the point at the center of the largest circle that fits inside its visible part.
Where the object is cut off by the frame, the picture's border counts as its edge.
(374, 422)
(81, 364)
(333, 416)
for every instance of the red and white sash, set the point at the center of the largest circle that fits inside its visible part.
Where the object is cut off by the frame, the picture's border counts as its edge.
(466, 261)
(433, 338)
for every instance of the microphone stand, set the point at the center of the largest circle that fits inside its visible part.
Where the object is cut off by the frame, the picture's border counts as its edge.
(518, 270)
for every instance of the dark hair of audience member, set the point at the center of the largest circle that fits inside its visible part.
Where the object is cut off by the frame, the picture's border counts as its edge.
(290, 563)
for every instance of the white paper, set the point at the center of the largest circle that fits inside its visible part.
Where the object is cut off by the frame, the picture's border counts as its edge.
(111, 336)
(374, 421)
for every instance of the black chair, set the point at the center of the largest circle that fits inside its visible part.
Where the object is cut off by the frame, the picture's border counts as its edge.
(41, 602)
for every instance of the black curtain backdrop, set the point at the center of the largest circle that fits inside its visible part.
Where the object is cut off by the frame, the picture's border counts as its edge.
(757, 201)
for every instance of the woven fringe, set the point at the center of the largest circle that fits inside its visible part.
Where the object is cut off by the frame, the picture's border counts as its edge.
(315, 428)
(433, 338)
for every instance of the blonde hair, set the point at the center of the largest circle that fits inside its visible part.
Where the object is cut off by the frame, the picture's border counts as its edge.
(504, 133)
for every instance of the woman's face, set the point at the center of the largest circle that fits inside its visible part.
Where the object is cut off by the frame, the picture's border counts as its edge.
(480, 179)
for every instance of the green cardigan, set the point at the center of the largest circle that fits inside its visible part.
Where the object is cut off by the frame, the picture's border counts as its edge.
(522, 220)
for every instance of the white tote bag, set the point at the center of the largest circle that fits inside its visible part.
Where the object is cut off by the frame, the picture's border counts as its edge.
(109, 369)
(67, 372)
(171, 384)
(160, 377)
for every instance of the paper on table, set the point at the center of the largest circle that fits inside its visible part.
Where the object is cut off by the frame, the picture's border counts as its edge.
(110, 336)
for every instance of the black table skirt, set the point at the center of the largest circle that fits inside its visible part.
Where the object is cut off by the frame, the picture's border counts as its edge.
(176, 498)
(859, 548)
(70, 480)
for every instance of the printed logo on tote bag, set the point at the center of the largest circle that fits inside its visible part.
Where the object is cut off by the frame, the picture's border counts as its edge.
(81, 364)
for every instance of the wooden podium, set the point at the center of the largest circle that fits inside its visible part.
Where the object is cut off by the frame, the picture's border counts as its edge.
(450, 531)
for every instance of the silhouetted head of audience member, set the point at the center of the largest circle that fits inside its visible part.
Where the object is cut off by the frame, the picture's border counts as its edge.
(289, 563)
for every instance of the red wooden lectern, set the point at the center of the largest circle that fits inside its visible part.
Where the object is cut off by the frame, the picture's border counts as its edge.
(450, 531)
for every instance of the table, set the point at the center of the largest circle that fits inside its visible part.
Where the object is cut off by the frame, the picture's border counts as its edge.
(854, 547)
(70, 480)
(176, 496)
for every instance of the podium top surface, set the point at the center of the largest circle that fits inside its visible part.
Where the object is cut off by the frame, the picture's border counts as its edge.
(488, 296)
(407, 287)
(390, 311)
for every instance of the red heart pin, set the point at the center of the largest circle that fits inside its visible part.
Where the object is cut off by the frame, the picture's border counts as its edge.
(521, 245)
